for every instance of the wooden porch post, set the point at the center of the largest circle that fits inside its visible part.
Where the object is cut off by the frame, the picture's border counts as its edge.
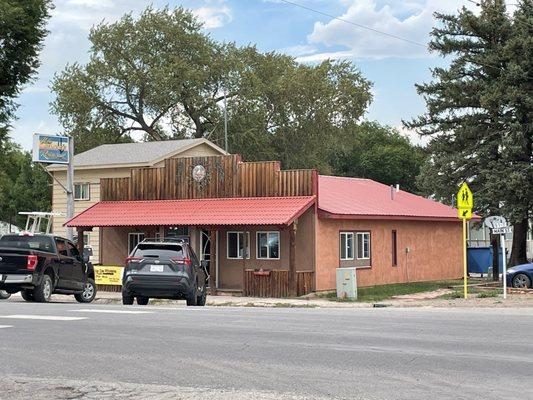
(80, 239)
(213, 263)
(292, 258)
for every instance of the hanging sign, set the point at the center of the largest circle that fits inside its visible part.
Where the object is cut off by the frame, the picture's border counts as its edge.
(51, 149)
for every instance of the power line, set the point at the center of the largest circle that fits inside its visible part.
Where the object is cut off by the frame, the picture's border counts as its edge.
(354, 23)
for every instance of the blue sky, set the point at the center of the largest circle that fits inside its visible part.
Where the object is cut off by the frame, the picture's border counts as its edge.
(392, 65)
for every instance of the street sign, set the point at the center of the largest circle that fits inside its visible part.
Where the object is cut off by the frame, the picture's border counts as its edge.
(51, 149)
(464, 213)
(501, 231)
(495, 222)
(465, 203)
(465, 198)
(498, 226)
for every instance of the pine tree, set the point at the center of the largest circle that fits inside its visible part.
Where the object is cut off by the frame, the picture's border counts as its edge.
(479, 111)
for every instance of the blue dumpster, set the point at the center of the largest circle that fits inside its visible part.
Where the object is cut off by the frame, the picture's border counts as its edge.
(479, 259)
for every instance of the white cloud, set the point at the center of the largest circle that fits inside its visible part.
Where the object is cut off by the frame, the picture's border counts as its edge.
(214, 15)
(413, 135)
(409, 19)
(318, 57)
(371, 44)
(299, 50)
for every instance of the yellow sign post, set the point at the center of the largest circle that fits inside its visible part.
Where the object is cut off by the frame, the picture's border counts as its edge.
(465, 202)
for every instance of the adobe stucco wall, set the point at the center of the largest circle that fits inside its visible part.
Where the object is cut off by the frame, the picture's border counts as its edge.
(435, 251)
(114, 249)
(230, 272)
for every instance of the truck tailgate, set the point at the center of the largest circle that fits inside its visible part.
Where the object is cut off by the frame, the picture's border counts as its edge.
(13, 261)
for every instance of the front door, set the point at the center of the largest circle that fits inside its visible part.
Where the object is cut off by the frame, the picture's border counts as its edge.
(205, 248)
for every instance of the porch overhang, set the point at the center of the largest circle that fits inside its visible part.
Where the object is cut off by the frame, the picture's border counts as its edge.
(281, 211)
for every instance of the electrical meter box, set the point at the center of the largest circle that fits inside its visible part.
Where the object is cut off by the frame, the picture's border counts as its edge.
(347, 283)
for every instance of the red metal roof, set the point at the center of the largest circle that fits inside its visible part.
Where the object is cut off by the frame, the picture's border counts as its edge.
(226, 211)
(364, 198)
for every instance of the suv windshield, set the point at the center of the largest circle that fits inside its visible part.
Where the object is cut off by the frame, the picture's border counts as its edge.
(161, 251)
(41, 243)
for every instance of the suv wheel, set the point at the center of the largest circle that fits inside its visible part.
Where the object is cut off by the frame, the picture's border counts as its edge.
(201, 299)
(88, 294)
(27, 295)
(4, 295)
(142, 301)
(127, 299)
(192, 299)
(43, 291)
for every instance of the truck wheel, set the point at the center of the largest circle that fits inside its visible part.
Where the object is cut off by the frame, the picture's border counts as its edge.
(43, 291)
(127, 299)
(27, 295)
(4, 295)
(142, 301)
(88, 294)
(200, 300)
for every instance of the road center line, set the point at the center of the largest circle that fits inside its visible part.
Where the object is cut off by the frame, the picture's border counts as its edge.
(43, 317)
(93, 310)
(6, 326)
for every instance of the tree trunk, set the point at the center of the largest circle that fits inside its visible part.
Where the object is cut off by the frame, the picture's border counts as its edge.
(495, 243)
(518, 249)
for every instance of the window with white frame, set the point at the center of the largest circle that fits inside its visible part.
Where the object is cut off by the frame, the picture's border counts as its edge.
(346, 246)
(82, 191)
(268, 245)
(363, 245)
(236, 247)
(133, 240)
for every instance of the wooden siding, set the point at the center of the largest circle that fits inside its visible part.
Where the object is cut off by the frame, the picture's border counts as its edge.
(116, 188)
(275, 283)
(226, 176)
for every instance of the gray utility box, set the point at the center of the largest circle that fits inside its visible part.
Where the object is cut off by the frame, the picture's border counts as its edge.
(347, 283)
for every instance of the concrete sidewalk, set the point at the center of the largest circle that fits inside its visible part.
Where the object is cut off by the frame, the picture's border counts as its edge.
(424, 299)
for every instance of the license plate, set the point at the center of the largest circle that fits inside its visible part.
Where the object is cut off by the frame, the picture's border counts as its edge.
(156, 268)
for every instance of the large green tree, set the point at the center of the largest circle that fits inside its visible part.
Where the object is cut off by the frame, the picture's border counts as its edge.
(380, 153)
(24, 186)
(162, 76)
(479, 113)
(22, 29)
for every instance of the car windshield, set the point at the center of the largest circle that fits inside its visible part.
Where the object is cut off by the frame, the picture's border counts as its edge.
(161, 251)
(41, 243)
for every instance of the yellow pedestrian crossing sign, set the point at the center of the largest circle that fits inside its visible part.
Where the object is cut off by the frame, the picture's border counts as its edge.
(464, 213)
(465, 198)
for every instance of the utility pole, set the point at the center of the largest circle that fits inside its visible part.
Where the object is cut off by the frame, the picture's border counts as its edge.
(70, 186)
(225, 122)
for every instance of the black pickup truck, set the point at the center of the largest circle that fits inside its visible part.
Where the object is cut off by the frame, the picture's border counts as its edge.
(40, 265)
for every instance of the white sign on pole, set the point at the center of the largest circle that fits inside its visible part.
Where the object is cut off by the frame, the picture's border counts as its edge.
(495, 222)
(498, 226)
(502, 231)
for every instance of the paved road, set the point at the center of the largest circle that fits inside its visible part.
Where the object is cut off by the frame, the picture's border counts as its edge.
(93, 351)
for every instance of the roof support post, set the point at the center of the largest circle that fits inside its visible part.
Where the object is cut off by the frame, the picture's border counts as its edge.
(213, 263)
(292, 258)
(80, 243)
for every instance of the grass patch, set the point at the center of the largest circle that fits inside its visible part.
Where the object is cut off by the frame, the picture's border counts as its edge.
(384, 292)
(488, 293)
(453, 295)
